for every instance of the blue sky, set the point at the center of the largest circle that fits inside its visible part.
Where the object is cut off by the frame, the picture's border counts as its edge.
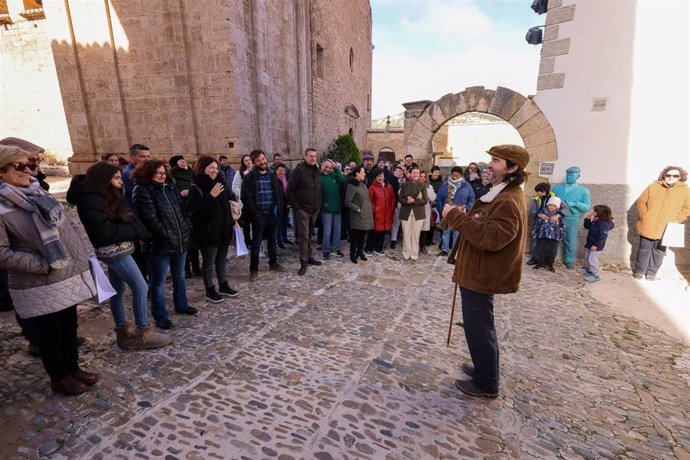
(427, 48)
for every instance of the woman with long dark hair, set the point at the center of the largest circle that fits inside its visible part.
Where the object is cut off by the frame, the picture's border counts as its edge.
(212, 225)
(413, 198)
(112, 228)
(48, 267)
(156, 202)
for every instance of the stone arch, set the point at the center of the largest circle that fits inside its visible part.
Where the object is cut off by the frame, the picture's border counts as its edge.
(424, 118)
(388, 153)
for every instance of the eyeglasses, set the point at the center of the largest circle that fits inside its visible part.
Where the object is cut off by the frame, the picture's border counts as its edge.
(159, 173)
(675, 176)
(22, 166)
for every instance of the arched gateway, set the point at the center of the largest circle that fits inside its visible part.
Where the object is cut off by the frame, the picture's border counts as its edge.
(424, 118)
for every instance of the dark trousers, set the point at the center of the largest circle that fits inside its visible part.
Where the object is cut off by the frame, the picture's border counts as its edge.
(375, 241)
(5, 297)
(191, 264)
(58, 342)
(263, 226)
(357, 238)
(344, 225)
(305, 228)
(478, 317)
(213, 259)
(546, 252)
(650, 256)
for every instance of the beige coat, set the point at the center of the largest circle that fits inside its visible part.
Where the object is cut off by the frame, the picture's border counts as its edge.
(36, 288)
(659, 205)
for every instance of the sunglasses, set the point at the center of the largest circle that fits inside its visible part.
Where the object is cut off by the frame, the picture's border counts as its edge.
(22, 166)
(675, 176)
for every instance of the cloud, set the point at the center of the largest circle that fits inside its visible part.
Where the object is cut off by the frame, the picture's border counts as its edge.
(399, 78)
(449, 19)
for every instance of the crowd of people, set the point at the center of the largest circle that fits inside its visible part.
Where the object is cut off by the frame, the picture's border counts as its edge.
(148, 218)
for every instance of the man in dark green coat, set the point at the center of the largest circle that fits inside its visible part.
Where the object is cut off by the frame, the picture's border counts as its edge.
(331, 185)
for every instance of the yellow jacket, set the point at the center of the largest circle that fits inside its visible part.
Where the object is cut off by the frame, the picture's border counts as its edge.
(660, 204)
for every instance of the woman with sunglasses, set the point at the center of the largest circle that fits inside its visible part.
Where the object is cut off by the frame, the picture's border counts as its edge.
(112, 228)
(155, 200)
(665, 201)
(48, 268)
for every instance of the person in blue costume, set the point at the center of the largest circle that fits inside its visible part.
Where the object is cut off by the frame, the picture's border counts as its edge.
(578, 200)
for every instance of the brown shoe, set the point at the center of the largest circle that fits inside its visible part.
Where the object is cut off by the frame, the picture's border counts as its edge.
(69, 386)
(88, 378)
(126, 336)
(146, 339)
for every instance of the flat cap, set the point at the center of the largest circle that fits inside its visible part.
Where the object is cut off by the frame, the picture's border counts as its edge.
(368, 156)
(573, 169)
(514, 153)
(22, 144)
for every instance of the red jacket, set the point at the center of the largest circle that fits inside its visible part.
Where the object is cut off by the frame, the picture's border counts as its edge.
(383, 203)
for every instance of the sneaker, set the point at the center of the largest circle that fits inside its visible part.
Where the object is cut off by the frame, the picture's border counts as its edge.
(253, 276)
(225, 290)
(326, 255)
(368, 254)
(532, 261)
(650, 277)
(189, 311)
(364, 256)
(638, 276)
(537, 267)
(443, 254)
(584, 271)
(337, 253)
(379, 253)
(212, 295)
(276, 267)
(592, 278)
(393, 244)
(470, 389)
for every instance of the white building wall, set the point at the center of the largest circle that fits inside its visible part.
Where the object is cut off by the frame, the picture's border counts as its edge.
(635, 54)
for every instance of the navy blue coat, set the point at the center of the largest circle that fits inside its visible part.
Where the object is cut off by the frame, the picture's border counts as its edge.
(598, 231)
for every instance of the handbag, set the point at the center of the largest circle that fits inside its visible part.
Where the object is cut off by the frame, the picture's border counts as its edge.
(113, 251)
(103, 287)
(235, 210)
(674, 235)
(240, 245)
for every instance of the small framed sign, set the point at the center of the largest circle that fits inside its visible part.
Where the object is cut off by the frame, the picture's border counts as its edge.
(599, 104)
(546, 169)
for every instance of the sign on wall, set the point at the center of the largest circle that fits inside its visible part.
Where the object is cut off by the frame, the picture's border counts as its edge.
(546, 169)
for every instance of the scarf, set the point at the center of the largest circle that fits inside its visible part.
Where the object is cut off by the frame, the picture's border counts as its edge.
(47, 216)
(495, 190)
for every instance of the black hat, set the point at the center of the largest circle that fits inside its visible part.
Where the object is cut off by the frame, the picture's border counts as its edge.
(174, 159)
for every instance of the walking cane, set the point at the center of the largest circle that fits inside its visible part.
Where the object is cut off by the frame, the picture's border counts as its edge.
(452, 313)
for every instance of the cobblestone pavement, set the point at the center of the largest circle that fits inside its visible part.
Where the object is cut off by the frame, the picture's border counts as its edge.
(350, 361)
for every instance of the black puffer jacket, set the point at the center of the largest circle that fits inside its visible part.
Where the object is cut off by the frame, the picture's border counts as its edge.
(159, 208)
(101, 229)
(211, 217)
(304, 188)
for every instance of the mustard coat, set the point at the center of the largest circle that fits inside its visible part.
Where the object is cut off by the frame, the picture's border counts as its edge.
(659, 205)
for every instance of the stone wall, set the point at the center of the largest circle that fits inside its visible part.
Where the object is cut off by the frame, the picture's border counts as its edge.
(202, 77)
(393, 138)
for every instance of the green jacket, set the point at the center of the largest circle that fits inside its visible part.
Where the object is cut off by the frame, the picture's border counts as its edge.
(331, 186)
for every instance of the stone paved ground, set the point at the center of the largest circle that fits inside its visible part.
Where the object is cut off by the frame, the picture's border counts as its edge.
(350, 362)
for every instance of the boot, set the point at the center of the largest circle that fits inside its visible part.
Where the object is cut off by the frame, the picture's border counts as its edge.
(88, 378)
(146, 339)
(69, 386)
(212, 295)
(302, 268)
(125, 336)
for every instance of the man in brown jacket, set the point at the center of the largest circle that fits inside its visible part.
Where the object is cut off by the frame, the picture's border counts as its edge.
(489, 261)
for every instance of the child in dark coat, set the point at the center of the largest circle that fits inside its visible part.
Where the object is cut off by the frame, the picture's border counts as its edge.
(549, 233)
(599, 222)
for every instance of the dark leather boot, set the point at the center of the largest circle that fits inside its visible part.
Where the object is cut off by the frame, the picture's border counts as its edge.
(69, 386)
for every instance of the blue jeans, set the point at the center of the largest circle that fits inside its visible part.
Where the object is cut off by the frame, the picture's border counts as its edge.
(331, 232)
(159, 268)
(445, 240)
(121, 271)
(263, 225)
